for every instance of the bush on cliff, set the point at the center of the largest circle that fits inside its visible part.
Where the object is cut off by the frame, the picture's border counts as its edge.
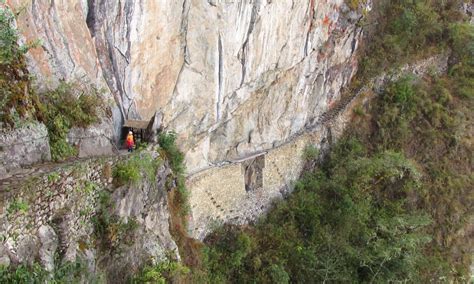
(175, 157)
(66, 106)
(139, 166)
(15, 86)
(69, 105)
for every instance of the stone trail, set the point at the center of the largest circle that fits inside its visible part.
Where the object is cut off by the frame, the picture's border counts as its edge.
(27, 172)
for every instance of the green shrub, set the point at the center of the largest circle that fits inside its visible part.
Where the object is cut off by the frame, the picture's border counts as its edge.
(23, 274)
(140, 165)
(64, 272)
(18, 205)
(15, 87)
(164, 272)
(175, 157)
(67, 106)
(310, 152)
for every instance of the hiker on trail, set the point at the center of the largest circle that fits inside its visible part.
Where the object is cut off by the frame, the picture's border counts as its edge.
(130, 141)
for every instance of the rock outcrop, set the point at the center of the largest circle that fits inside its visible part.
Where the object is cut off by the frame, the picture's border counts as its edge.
(26, 145)
(231, 77)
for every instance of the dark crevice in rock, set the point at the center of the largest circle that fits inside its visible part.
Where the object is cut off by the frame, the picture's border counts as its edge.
(220, 66)
(243, 51)
(91, 18)
(253, 170)
(310, 28)
(184, 30)
(212, 3)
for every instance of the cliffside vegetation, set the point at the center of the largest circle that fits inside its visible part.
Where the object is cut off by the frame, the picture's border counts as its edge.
(60, 109)
(68, 105)
(392, 201)
(14, 78)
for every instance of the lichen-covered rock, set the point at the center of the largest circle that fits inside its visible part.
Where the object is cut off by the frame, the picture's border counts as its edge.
(25, 145)
(144, 206)
(49, 244)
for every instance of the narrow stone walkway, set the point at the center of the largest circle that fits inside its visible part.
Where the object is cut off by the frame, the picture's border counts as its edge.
(21, 174)
(35, 170)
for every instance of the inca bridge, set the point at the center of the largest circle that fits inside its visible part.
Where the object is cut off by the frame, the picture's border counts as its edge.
(239, 191)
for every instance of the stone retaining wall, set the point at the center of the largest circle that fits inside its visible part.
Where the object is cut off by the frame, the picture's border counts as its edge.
(219, 195)
(53, 215)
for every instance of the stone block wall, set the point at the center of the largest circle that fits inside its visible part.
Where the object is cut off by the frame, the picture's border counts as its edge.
(53, 214)
(223, 195)
(220, 195)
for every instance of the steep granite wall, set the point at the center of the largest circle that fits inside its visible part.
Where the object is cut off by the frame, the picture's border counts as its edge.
(241, 190)
(231, 77)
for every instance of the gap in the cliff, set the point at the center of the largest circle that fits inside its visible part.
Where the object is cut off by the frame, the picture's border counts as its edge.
(253, 173)
(90, 19)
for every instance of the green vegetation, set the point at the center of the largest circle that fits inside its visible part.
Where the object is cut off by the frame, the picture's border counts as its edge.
(391, 200)
(163, 272)
(53, 177)
(175, 159)
(429, 120)
(135, 168)
(171, 151)
(15, 88)
(18, 205)
(310, 152)
(67, 272)
(69, 105)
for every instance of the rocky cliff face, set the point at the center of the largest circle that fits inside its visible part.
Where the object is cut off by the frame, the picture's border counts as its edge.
(231, 77)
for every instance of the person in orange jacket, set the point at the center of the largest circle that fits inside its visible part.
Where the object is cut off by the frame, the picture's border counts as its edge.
(130, 141)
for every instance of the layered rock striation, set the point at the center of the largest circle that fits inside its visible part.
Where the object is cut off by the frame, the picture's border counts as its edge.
(230, 77)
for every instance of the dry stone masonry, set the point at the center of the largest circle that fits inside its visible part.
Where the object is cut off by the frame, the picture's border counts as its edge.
(241, 190)
(54, 213)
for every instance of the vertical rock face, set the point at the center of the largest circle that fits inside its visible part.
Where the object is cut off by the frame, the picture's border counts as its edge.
(25, 145)
(231, 77)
